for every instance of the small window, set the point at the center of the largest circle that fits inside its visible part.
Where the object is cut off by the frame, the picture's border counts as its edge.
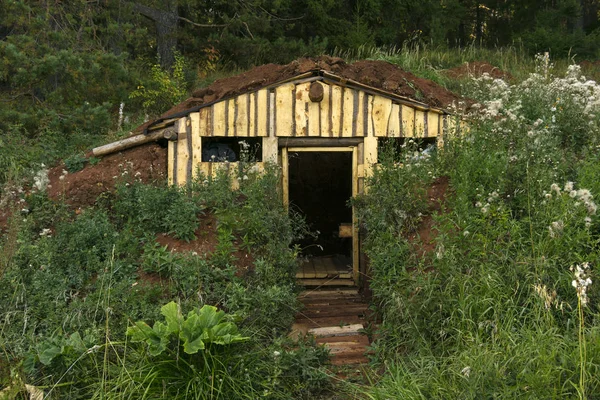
(225, 149)
(395, 147)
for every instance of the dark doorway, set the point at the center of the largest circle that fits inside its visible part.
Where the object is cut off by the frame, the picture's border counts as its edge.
(320, 185)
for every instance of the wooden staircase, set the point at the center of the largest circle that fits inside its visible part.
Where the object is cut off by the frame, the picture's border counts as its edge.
(336, 316)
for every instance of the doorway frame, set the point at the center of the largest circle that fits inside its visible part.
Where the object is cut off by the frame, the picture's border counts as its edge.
(285, 186)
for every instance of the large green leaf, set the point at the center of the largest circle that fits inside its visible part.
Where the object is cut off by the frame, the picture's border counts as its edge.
(48, 353)
(156, 337)
(210, 316)
(192, 333)
(225, 333)
(173, 316)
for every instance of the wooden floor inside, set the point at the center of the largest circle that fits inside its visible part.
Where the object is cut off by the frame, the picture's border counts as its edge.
(326, 267)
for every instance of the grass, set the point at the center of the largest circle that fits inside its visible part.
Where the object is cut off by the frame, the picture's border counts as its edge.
(490, 313)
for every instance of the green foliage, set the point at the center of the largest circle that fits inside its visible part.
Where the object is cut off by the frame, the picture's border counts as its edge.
(197, 331)
(157, 209)
(75, 163)
(162, 89)
(491, 310)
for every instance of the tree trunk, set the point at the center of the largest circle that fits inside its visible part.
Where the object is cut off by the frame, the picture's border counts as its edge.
(166, 22)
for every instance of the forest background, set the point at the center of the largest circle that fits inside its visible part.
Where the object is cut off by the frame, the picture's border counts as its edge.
(66, 67)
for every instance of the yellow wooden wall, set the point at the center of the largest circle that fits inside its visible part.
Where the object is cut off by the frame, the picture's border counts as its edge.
(287, 111)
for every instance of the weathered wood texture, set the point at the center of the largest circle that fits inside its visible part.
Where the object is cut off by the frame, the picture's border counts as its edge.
(288, 111)
(286, 116)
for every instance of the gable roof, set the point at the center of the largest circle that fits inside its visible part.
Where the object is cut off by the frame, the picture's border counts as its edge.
(379, 76)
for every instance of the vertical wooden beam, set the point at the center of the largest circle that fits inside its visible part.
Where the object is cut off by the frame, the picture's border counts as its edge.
(171, 161)
(301, 101)
(285, 178)
(419, 123)
(262, 114)
(433, 122)
(336, 110)
(408, 121)
(284, 118)
(393, 128)
(355, 243)
(382, 108)
(219, 118)
(241, 115)
(348, 112)
(252, 114)
(231, 113)
(271, 114)
(269, 149)
(182, 150)
(198, 125)
(324, 111)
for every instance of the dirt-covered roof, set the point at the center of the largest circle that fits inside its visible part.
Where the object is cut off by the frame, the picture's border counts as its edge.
(377, 74)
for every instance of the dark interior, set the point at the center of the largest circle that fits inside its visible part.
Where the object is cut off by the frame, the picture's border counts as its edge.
(320, 185)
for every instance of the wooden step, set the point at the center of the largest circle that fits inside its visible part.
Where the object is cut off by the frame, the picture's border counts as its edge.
(363, 339)
(329, 321)
(329, 292)
(348, 310)
(330, 331)
(326, 282)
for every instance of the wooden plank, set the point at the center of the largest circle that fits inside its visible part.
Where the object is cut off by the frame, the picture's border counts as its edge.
(203, 117)
(285, 187)
(359, 121)
(320, 268)
(329, 292)
(361, 338)
(355, 243)
(182, 151)
(408, 121)
(171, 149)
(284, 118)
(345, 230)
(219, 121)
(419, 123)
(198, 125)
(301, 109)
(382, 108)
(262, 121)
(341, 311)
(369, 116)
(354, 329)
(252, 113)
(230, 111)
(336, 110)
(348, 111)
(394, 127)
(370, 155)
(269, 149)
(314, 118)
(325, 111)
(241, 115)
(326, 282)
(433, 123)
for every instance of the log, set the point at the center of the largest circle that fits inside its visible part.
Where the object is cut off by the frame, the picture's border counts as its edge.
(124, 144)
(319, 142)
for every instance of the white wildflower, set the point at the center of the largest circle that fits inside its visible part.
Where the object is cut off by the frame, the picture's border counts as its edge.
(466, 371)
(581, 281)
(555, 188)
(588, 222)
(568, 186)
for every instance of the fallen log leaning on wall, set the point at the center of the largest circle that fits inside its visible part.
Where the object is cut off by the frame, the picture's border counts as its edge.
(124, 144)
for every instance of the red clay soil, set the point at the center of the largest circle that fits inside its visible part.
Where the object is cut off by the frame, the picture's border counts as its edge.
(423, 239)
(476, 69)
(145, 163)
(378, 74)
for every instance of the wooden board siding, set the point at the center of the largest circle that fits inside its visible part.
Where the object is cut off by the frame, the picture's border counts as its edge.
(287, 111)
